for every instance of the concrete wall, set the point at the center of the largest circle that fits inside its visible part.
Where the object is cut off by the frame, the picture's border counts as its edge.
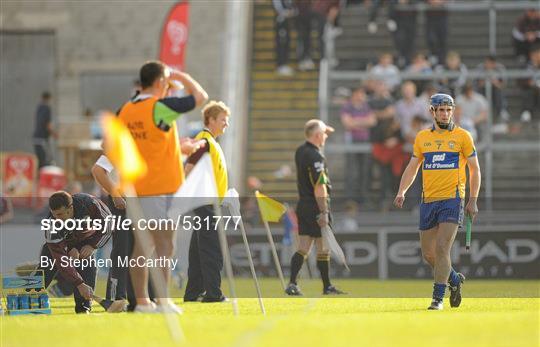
(117, 36)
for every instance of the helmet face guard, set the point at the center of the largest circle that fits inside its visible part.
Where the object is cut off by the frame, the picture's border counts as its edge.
(438, 100)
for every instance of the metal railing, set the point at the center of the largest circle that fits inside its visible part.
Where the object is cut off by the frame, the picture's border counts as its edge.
(490, 6)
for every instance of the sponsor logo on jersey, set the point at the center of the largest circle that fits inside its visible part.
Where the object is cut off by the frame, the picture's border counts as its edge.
(441, 160)
(438, 157)
(319, 166)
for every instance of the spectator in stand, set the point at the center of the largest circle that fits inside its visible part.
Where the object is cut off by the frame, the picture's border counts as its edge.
(526, 33)
(405, 34)
(453, 85)
(415, 191)
(418, 123)
(357, 119)
(425, 97)
(386, 71)
(407, 108)
(325, 14)
(420, 65)
(387, 144)
(498, 99)
(531, 87)
(303, 28)
(6, 209)
(369, 86)
(375, 5)
(285, 13)
(43, 130)
(312, 12)
(331, 31)
(474, 110)
(436, 30)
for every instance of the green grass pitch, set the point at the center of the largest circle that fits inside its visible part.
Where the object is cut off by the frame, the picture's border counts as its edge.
(493, 313)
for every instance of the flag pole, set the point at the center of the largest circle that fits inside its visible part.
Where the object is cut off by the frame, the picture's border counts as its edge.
(226, 257)
(251, 266)
(274, 254)
(146, 243)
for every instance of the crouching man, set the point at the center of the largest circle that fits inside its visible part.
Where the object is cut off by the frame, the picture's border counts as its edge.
(76, 226)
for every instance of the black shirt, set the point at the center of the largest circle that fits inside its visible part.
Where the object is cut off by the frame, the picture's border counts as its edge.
(383, 130)
(310, 170)
(43, 118)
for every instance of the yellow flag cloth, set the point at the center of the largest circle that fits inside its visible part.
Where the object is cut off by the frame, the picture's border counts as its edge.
(271, 210)
(122, 151)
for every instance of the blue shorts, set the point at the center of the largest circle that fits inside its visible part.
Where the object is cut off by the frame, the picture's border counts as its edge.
(442, 211)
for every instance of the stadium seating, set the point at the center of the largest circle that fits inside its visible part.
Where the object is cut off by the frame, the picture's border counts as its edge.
(279, 108)
(468, 34)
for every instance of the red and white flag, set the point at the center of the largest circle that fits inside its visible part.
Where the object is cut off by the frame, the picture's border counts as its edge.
(174, 36)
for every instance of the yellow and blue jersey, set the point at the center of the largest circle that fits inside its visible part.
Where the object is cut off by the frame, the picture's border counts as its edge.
(444, 157)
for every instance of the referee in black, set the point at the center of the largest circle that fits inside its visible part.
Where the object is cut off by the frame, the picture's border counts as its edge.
(313, 208)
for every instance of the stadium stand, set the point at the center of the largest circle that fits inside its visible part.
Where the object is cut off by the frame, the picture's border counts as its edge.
(274, 99)
(279, 107)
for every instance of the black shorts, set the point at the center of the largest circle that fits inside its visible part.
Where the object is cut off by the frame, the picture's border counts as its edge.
(307, 222)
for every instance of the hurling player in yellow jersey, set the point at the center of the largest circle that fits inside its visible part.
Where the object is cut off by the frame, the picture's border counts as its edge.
(443, 151)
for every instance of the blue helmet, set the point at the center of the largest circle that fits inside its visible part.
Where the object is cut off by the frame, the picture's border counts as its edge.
(441, 99)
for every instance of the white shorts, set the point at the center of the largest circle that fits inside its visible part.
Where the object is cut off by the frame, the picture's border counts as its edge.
(156, 207)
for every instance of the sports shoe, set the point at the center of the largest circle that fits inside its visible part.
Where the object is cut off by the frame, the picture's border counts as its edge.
(436, 304)
(455, 292)
(293, 290)
(505, 116)
(151, 308)
(285, 71)
(220, 299)
(196, 299)
(306, 64)
(525, 116)
(372, 27)
(391, 25)
(331, 290)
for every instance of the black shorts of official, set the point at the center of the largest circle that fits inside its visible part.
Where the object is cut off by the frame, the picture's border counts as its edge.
(307, 222)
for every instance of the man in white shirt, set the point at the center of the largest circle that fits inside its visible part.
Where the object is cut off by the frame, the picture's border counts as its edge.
(473, 110)
(407, 108)
(386, 71)
(122, 240)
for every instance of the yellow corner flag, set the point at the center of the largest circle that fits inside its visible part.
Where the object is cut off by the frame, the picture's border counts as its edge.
(122, 151)
(271, 210)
